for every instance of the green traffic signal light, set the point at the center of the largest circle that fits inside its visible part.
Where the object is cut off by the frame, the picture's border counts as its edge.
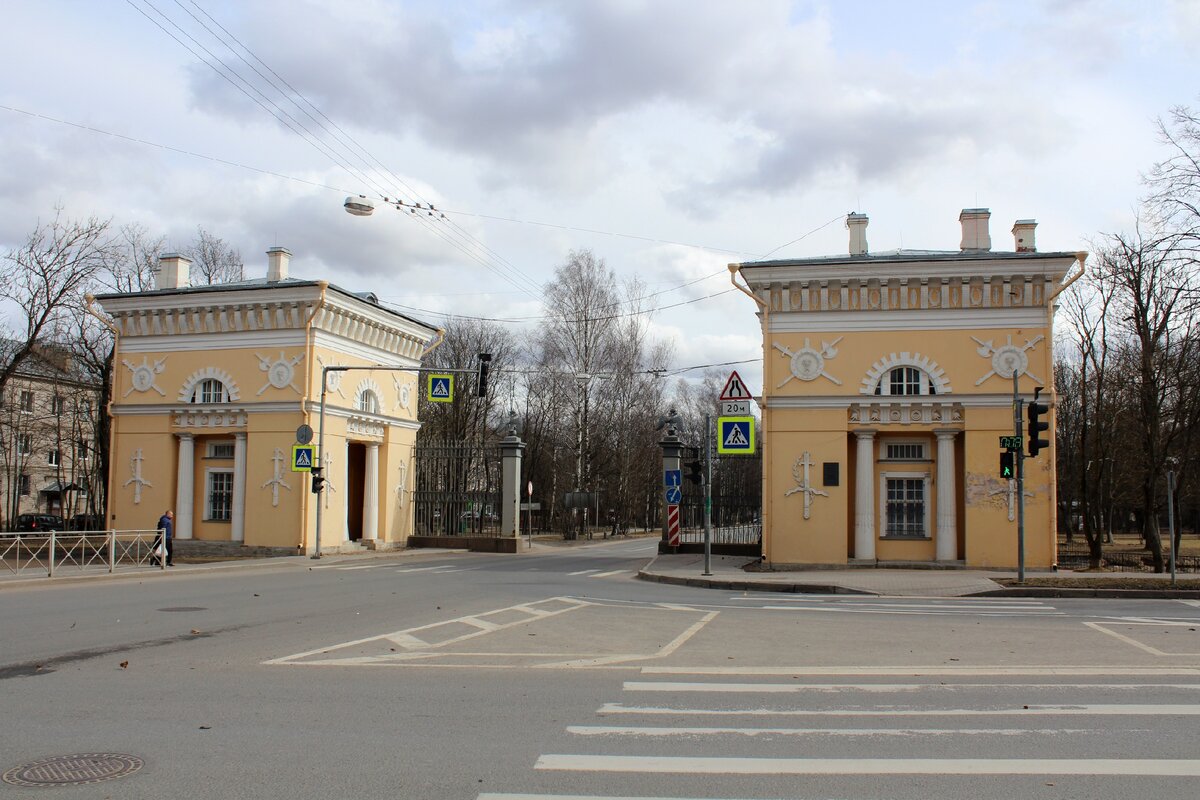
(1007, 462)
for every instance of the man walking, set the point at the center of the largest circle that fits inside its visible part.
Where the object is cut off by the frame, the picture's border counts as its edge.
(166, 524)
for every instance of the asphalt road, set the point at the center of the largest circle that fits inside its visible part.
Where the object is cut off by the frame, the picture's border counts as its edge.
(558, 674)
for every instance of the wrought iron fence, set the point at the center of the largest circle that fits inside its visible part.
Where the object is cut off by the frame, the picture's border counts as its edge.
(735, 520)
(57, 551)
(457, 490)
(1075, 556)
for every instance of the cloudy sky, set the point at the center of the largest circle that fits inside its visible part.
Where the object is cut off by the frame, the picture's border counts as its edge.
(670, 138)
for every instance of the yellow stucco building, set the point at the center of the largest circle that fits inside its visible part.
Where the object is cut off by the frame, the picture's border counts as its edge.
(887, 384)
(211, 383)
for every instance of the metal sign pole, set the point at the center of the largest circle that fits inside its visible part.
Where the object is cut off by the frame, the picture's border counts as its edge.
(1171, 518)
(321, 461)
(708, 437)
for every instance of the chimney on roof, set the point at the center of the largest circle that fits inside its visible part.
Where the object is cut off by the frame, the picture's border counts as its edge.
(172, 271)
(857, 223)
(975, 234)
(277, 263)
(1023, 235)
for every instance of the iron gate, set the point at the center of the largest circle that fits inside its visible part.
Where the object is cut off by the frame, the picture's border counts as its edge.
(457, 490)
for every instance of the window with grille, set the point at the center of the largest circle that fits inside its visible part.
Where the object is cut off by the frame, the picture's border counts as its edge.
(368, 402)
(220, 449)
(210, 390)
(904, 507)
(904, 451)
(905, 381)
(220, 496)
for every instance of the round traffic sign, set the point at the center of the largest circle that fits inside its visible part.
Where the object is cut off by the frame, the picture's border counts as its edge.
(304, 434)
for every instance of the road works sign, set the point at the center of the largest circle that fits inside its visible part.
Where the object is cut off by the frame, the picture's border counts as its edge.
(735, 389)
(735, 435)
(303, 456)
(440, 389)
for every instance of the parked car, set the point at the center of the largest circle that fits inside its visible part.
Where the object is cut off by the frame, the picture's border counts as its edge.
(30, 523)
(87, 522)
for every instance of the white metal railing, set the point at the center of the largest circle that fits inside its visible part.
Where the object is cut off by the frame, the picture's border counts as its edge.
(56, 551)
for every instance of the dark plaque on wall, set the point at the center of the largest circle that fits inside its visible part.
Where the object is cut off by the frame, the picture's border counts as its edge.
(830, 470)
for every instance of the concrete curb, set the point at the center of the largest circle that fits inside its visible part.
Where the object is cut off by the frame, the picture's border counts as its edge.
(751, 586)
(1060, 591)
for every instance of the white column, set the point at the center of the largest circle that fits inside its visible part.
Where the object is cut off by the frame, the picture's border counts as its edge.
(345, 490)
(947, 498)
(371, 493)
(237, 531)
(864, 496)
(185, 487)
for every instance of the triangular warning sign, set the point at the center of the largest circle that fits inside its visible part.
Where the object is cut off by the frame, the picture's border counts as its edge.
(304, 458)
(735, 389)
(441, 389)
(736, 437)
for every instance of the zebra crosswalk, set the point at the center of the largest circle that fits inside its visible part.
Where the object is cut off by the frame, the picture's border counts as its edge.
(445, 569)
(1082, 732)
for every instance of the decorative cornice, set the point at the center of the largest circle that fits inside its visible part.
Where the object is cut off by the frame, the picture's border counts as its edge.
(365, 426)
(918, 292)
(209, 417)
(263, 310)
(906, 412)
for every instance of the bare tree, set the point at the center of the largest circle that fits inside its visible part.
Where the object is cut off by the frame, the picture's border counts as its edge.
(214, 261)
(1175, 181)
(1152, 283)
(135, 259)
(46, 279)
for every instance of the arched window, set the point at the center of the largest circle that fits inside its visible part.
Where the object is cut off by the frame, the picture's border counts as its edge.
(210, 390)
(905, 381)
(368, 401)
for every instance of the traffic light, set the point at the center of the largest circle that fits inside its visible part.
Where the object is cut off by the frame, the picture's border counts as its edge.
(1007, 462)
(481, 383)
(1035, 425)
(694, 474)
(318, 483)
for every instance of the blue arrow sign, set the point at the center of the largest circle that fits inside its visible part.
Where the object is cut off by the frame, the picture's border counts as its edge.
(674, 494)
(673, 477)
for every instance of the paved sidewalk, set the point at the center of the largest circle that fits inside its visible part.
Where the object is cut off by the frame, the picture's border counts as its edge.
(727, 573)
(67, 574)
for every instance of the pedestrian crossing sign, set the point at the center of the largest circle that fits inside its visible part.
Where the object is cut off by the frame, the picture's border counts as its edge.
(735, 435)
(440, 389)
(303, 456)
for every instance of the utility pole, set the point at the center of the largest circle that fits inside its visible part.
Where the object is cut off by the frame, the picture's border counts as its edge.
(1020, 458)
(708, 437)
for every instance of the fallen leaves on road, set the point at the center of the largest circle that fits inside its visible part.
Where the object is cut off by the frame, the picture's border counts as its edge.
(124, 665)
(195, 632)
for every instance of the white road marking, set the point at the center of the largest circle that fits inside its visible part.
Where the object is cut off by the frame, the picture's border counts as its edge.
(1195, 603)
(871, 766)
(902, 611)
(1072, 710)
(1102, 627)
(612, 730)
(583, 572)
(523, 796)
(791, 688)
(440, 568)
(926, 671)
(407, 635)
(609, 574)
(362, 566)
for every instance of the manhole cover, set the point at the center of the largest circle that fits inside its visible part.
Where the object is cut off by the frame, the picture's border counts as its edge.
(184, 608)
(73, 770)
